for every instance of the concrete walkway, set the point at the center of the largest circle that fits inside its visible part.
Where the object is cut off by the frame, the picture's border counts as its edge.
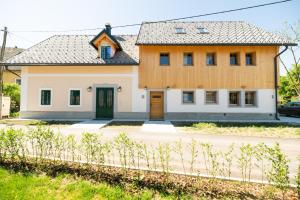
(92, 126)
(158, 127)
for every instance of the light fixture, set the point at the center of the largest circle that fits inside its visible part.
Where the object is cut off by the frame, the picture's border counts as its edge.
(89, 89)
(119, 89)
(168, 87)
(145, 87)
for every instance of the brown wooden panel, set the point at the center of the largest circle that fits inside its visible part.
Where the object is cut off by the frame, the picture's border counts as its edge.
(156, 105)
(221, 76)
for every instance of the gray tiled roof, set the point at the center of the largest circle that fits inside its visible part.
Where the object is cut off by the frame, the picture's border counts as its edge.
(10, 52)
(220, 33)
(75, 49)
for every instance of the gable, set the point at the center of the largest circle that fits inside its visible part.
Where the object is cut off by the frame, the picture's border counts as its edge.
(105, 37)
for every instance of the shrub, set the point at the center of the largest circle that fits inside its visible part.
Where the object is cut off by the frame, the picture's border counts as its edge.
(279, 172)
(204, 125)
(13, 91)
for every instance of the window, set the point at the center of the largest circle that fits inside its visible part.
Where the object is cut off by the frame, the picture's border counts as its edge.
(179, 30)
(188, 97)
(234, 98)
(210, 59)
(202, 30)
(234, 59)
(211, 97)
(250, 98)
(188, 59)
(18, 81)
(164, 59)
(105, 52)
(45, 97)
(74, 97)
(250, 59)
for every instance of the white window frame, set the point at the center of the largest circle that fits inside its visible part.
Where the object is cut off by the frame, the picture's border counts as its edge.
(217, 97)
(240, 99)
(69, 97)
(255, 99)
(194, 97)
(40, 97)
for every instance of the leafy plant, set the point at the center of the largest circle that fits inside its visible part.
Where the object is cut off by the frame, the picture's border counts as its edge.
(260, 156)
(89, 142)
(164, 151)
(298, 178)
(279, 172)
(211, 159)
(13, 91)
(194, 154)
(179, 150)
(245, 161)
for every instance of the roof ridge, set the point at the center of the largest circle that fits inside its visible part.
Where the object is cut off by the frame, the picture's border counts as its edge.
(178, 21)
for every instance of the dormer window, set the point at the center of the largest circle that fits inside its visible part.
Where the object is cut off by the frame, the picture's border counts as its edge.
(202, 30)
(180, 30)
(105, 52)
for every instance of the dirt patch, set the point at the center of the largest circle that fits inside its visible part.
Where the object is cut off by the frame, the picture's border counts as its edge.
(134, 180)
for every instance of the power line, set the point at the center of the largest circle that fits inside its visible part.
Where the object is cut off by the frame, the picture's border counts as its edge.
(21, 37)
(174, 19)
(207, 14)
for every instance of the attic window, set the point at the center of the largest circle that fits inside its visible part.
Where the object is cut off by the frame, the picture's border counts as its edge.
(202, 30)
(105, 52)
(179, 30)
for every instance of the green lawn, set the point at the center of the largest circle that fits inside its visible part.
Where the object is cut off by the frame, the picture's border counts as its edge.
(242, 129)
(32, 186)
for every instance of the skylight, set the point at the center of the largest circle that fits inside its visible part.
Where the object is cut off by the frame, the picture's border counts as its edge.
(202, 30)
(180, 30)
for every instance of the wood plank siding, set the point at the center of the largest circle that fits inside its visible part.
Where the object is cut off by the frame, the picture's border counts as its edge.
(221, 76)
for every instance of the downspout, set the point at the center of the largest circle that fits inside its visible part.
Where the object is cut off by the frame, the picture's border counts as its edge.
(276, 80)
(6, 68)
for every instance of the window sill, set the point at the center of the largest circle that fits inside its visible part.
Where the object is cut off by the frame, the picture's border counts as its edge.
(235, 106)
(185, 103)
(250, 65)
(45, 106)
(164, 65)
(72, 106)
(211, 104)
(188, 65)
(211, 65)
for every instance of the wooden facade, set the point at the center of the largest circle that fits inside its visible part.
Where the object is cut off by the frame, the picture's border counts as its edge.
(220, 76)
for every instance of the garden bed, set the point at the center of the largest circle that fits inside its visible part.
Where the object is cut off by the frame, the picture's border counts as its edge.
(136, 183)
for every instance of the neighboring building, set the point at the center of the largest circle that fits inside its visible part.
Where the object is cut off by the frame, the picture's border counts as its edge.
(171, 70)
(13, 73)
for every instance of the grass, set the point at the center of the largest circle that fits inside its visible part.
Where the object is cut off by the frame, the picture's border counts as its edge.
(32, 186)
(35, 122)
(242, 129)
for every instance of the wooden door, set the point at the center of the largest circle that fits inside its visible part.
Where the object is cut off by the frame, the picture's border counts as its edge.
(156, 105)
(104, 103)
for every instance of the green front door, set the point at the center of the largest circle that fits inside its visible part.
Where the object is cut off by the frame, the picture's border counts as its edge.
(104, 103)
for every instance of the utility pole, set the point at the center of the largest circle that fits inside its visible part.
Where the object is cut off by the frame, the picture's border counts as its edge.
(1, 69)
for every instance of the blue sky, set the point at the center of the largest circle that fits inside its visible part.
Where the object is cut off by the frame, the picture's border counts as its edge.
(79, 14)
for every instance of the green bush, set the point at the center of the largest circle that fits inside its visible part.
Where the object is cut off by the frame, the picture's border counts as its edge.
(13, 91)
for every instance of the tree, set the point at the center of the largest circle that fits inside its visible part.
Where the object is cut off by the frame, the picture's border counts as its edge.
(287, 89)
(13, 91)
(290, 84)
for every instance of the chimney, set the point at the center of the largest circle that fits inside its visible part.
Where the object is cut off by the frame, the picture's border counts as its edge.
(108, 28)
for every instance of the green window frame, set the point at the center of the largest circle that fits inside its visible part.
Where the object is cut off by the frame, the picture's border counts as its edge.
(75, 97)
(46, 97)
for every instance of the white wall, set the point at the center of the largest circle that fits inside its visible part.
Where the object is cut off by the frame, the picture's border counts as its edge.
(265, 102)
(139, 100)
